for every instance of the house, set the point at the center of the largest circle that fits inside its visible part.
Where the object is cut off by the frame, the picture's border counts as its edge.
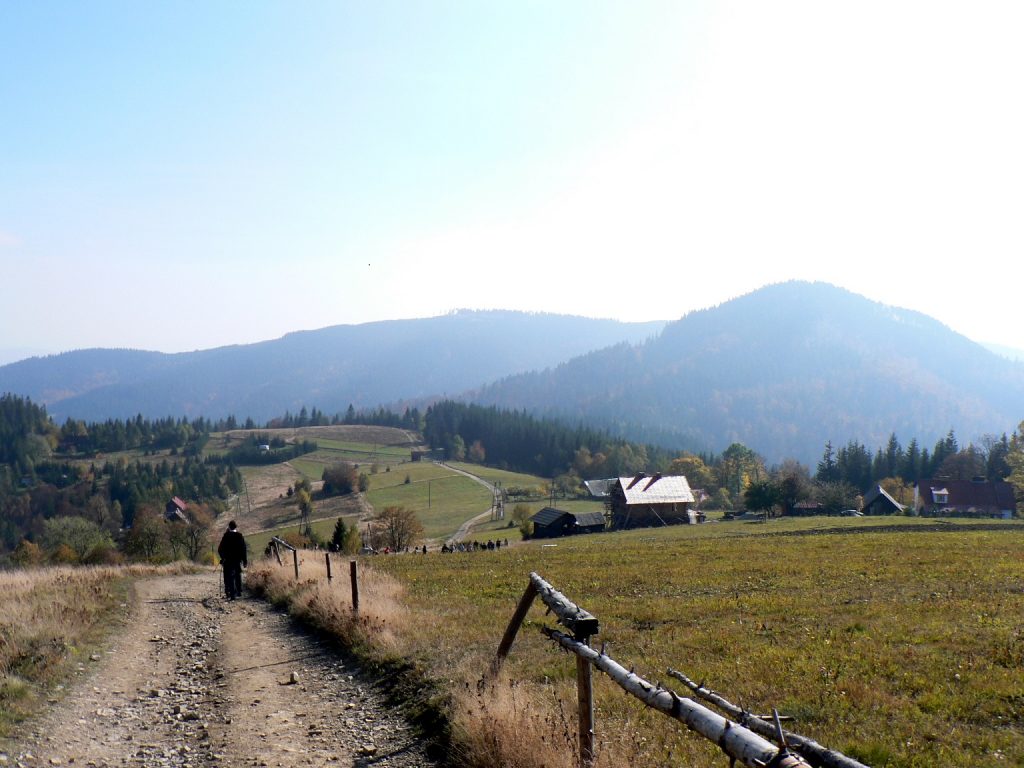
(551, 523)
(878, 502)
(175, 510)
(805, 508)
(641, 501)
(965, 498)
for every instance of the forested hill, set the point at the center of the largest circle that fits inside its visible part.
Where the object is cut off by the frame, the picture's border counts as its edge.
(783, 370)
(364, 365)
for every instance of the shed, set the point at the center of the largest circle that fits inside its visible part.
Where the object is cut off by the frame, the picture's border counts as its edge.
(550, 523)
(589, 522)
(878, 502)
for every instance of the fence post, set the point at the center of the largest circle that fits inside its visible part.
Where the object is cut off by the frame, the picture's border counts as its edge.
(513, 626)
(354, 576)
(277, 553)
(585, 694)
(327, 557)
(295, 558)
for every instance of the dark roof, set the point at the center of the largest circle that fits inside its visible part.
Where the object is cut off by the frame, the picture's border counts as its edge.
(548, 515)
(970, 493)
(588, 519)
(879, 492)
(599, 488)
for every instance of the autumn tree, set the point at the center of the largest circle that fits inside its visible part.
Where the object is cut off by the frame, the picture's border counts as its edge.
(81, 536)
(696, 472)
(146, 539)
(340, 479)
(398, 527)
(521, 517)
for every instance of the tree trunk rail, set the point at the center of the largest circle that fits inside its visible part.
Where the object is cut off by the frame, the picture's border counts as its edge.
(747, 738)
(817, 755)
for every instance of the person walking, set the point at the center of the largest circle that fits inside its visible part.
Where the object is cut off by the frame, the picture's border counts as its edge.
(233, 559)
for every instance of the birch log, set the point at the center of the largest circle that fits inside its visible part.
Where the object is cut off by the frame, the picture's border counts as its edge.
(570, 615)
(736, 741)
(817, 755)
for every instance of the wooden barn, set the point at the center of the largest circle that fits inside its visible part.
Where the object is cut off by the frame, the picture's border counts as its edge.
(551, 523)
(878, 502)
(642, 501)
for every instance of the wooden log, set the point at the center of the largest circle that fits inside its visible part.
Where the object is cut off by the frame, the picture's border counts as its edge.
(571, 616)
(738, 742)
(816, 754)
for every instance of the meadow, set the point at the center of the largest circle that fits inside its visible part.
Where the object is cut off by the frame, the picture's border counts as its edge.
(900, 645)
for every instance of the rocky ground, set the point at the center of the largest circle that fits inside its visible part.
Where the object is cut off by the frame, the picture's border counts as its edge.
(195, 680)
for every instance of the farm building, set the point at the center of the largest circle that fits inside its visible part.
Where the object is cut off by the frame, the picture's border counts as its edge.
(965, 498)
(641, 501)
(175, 510)
(804, 508)
(551, 523)
(878, 502)
(599, 489)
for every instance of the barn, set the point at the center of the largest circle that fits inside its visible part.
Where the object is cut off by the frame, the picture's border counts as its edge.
(642, 501)
(552, 523)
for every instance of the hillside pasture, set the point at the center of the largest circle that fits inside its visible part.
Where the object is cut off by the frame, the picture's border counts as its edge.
(897, 641)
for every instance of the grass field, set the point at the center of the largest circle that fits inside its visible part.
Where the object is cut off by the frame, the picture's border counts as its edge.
(897, 641)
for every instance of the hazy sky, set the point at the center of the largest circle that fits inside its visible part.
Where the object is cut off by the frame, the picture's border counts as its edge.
(183, 175)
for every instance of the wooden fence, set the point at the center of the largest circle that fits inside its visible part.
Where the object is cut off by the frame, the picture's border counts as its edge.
(746, 738)
(276, 545)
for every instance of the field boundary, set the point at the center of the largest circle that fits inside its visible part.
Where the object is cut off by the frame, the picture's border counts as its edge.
(758, 746)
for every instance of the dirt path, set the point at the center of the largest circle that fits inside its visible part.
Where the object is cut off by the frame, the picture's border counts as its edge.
(196, 680)
(467, 526)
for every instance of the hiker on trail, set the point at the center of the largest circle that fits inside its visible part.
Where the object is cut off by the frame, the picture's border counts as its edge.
(233, 559)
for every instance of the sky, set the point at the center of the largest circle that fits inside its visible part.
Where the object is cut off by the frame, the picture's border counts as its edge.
(185, 175)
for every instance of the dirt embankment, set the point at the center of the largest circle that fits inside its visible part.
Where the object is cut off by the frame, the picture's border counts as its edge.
(196, 680)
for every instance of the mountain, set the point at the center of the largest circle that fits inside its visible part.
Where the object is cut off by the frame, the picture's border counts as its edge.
(783, 370)
(366, 365)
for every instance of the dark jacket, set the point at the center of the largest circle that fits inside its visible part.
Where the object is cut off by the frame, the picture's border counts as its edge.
(232, 549)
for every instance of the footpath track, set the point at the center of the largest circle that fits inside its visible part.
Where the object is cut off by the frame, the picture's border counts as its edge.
(195, 680)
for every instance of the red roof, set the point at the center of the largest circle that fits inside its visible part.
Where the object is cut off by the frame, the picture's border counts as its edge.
(970, 493)
(179, 503)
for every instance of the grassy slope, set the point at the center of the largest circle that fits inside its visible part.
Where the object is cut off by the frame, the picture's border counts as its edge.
(902, 648)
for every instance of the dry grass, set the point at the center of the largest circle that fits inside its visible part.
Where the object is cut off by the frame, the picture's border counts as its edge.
(382, 619)
(51, 620)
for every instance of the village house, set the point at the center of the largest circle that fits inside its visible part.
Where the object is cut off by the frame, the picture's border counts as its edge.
(965, 498)
(642, 501)
(175, 510)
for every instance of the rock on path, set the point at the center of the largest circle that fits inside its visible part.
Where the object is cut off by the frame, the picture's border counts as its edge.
(196, 680)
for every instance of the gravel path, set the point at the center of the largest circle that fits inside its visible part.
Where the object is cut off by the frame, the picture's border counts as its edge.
(196, 680)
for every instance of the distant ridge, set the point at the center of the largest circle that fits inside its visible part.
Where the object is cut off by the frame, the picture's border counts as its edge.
(783, 370)
(365, 365)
